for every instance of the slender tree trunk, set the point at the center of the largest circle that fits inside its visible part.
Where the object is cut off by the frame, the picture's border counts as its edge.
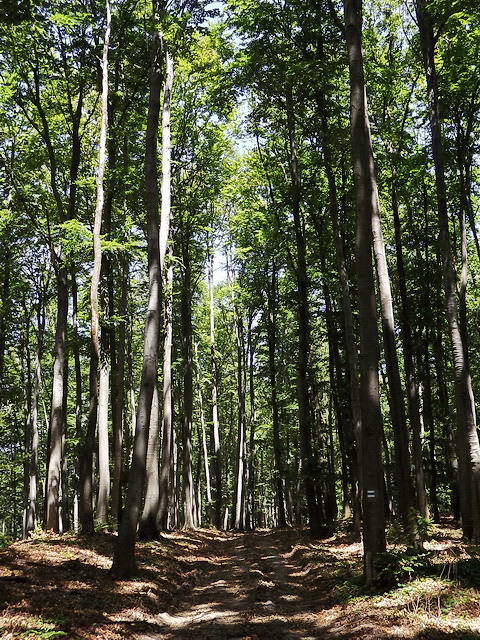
(103, 494)
(3, 310)
(467, 436)
(166, 160)
(217, 462)
(187, 333)
(86, 509)
(305, 418)
(165, 487)
(31, 511)
(350, 340)
(408, 359)
(430, 426)
(148, 528)
(203, 432)
(65, 502)
(366, 201)
(117, 416)
(406, 496)
(272, 365)
(240, 471)
(78, 393)
(124, 554)
(54, 467)
(167, 280)
(250, 502)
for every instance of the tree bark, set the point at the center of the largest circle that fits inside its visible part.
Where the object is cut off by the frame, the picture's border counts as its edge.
(165, 487)
(31, 511)
(305, 419)
(272, 355)
(240, 471)
(203, 432)
(187, 334)
(467, 437)
(217, 461)
(366, 202)
(55, 447)
(148, 527)
(86, 512)
(405, 496)
(353, 443)
(117, 416)
(124, 554)
(408, 358)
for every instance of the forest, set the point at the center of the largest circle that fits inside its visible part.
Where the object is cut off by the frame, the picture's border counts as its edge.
(239, 310)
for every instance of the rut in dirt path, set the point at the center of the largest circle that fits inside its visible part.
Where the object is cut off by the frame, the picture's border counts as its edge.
(252, 586)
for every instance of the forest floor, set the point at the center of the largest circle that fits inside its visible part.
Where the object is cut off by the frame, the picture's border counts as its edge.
(275, 585)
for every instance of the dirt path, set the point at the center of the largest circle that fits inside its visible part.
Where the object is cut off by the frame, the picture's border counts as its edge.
(249, 587)
(205, 584)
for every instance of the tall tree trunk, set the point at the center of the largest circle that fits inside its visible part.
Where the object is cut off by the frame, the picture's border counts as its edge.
(167, 280)
(405, 496)
(408, 358)
(124, 554)
(148, 528)
(78, 393)
(252, 419)
(238, 512)
(165, 486)
(187, 333)
(203, 432)
(118, 399)
(429, 425)
(272, 366)
(103, 494)
(305, 418)
(3, 311)
(217, 461)
(86, 510)
(54, 467)
(65, 501)
(366, 201)
(31, 511)
(467, 436)
(353, 439)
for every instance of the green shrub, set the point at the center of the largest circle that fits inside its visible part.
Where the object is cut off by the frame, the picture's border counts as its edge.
(396, 567)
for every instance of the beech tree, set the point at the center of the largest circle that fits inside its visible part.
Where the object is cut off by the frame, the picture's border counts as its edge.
(239, 269)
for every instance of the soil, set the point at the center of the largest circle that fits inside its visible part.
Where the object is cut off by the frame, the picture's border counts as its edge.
(266, 585)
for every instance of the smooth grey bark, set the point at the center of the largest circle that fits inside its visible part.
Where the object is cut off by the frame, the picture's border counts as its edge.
(408, 358)
(252, 422)
(305, 415)
(54, 469)
(468, 446)
(240, 468)
(217, 461)
(406, 496)
(165, 486)
(203, 431)
(353, 440)
(148, 527)
(31, 509)
(118, 399)
(187, 335)
(124, 554)
(272, 368)
(149, 523)
(95, 355)
(374, 541)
